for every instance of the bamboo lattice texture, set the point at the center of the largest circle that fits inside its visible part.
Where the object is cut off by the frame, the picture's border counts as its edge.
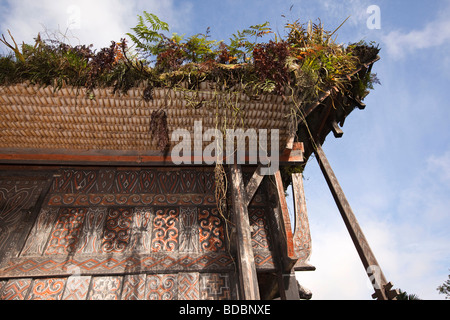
(38, 117)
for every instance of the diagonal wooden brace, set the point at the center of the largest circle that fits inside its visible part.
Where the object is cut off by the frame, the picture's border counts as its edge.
(359, 240)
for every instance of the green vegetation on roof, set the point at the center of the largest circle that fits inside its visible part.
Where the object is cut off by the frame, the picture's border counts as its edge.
(306, 59)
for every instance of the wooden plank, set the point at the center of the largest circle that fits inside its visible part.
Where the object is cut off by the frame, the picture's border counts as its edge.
(338, 133)
(38, 158)
(362, 246)
(286, 222)
(302, 235)
(247, 270)
(290, 285)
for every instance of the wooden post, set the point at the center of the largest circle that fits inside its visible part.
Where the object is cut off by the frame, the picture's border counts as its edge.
(382, 288)
(302, 235)
(247, 269)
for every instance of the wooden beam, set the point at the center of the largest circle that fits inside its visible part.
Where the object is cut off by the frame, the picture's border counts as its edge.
(382, 290)
(247, 270)
(286, 221)
(253, 185)
(338, 133)
(122, 158)
(302, 235)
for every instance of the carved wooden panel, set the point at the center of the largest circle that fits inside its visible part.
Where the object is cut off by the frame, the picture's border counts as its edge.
(151, 181)
(37, 240)
(128, 234)
(105, 288)
(188, 286)
(215, 286)
(65, 235)
(212, 230)
(117, 230)
(189, 229)
(260, 228)
(47, 289)
(165, 230)
(16, 289)
(134, 287)
(18, 195)
(92, 231)
(77, 288)
(141, 231)
(162, 287)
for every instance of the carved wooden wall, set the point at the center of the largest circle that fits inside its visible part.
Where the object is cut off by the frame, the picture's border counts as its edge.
(121, 233)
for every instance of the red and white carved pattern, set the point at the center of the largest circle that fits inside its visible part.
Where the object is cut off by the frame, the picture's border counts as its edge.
(211, 230)
(141, 231)
(260, 228)
(161, 287)
(188, 286)
(134, 287)
(37, 239)
(105, 288)
(64, 238)
(47, 289)
(77, 288)
(165, 230)
(189, 229)
(117, 230)
(16, 289)
(215, 286)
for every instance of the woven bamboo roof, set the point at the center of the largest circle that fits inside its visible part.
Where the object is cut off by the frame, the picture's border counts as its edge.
(41, 119)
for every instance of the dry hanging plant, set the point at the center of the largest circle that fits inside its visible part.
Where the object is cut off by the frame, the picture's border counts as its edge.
(159, 130)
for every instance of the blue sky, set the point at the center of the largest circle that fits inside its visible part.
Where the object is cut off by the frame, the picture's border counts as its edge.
(393, 161)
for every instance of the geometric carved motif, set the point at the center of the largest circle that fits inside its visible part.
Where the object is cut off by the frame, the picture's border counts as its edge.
(117, 230)
(77, 288)
(105, 288)
(16, 289)
(64, 238)
(134, 287)
(161, 287)
(154, 181)
(189, 229)
(176, 286)
(211, 230)
(215, 286)
(259, 227)
(188, 286)
(47, 289)
(165, 230)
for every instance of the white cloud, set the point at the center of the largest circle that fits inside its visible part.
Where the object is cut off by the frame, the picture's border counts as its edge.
(98, 22)
(440, 165)
(434, 34)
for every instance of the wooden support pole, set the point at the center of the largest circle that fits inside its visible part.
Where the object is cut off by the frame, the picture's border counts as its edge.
(382, 288)
(247, 269)
(253, 185)
(302, 235)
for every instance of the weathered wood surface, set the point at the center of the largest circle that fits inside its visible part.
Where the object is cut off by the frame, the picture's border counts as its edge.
(253, 185)
(302, 235)
(162, 286)
(359, 240)
(247, 270)
(285, 219)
